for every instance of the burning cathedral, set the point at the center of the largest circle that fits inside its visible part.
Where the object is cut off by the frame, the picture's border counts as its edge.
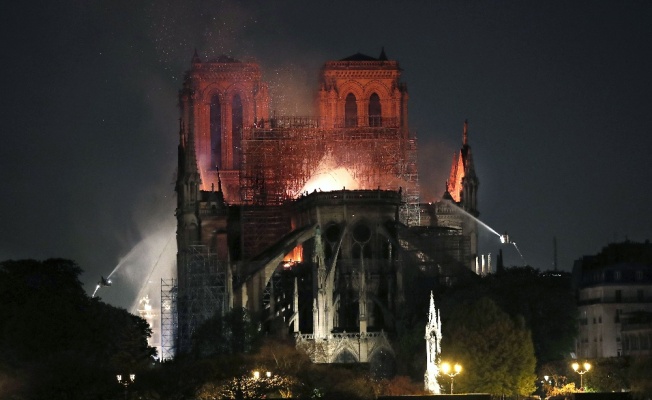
(312, 222)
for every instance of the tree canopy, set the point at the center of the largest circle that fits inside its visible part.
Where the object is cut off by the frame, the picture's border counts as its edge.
(546, 301)
(496, 351)
(56, 341)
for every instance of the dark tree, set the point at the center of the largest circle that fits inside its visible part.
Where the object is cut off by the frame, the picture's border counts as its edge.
(639, 377)
(496, 351)
(57, 341)
(236, 332)
(547, 303)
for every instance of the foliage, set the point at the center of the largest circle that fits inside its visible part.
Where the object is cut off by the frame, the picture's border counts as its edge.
(495, 351)
(607, 374)
(249, 387)
(543, 300)
(639, 377)
(558, 373)
(343, 382)
(238, 331)
(564, 390)
(230, 376)
(410, 346)
(282, 357)
(57, 341)
(400, 386)
(546, 301)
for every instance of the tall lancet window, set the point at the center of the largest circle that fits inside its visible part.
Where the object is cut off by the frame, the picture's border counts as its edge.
(216, 132)
(237, 123)
(375, 118)
(350, 111)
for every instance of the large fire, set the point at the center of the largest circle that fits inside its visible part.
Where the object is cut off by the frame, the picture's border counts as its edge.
(328, 177)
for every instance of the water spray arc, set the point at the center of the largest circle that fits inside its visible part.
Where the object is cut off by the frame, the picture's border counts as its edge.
(153, 244)
(519, 253)
(474, 218)
(504, 238)
(103, 282)
(106, 281)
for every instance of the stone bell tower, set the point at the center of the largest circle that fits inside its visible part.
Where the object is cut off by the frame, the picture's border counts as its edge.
(220, 101)
(363, 91)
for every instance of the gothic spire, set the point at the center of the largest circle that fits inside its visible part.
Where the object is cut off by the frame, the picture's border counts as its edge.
(465, 139)
(195, 58)
(433, 348)
(382, 56)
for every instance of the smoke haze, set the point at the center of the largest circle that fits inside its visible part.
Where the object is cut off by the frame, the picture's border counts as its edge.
(558, 108)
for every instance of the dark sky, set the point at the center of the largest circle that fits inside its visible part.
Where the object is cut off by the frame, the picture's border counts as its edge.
(558, 95)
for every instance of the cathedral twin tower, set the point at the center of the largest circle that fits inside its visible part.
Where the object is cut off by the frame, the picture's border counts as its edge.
(225, 102)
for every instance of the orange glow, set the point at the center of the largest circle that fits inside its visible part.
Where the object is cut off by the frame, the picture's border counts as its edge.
(293, 257)
(329, 177)
(454, 183)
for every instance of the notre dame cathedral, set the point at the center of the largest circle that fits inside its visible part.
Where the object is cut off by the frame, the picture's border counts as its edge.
(312, 222)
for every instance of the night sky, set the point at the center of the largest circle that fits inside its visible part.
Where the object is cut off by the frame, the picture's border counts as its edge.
(558, 95)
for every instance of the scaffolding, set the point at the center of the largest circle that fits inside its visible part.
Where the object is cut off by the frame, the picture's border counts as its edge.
(281, 155)
(169, 322)
(261, 227)
(279, 158)
(202, 291)
(410, 211)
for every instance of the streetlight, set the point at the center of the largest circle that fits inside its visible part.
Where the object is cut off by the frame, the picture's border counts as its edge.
(451, 371)
(260, 383)
(585, 368)
(126, 381)
(256, 374)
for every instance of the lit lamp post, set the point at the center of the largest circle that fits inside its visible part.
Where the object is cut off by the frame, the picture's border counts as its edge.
(585, 368)
(256, 373)
(451, 371)
(126, 381)
(262, 383)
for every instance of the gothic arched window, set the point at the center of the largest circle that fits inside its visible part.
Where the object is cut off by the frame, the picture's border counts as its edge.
(216, 132)
(375, 118)
(350, 111)
(236, 131)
